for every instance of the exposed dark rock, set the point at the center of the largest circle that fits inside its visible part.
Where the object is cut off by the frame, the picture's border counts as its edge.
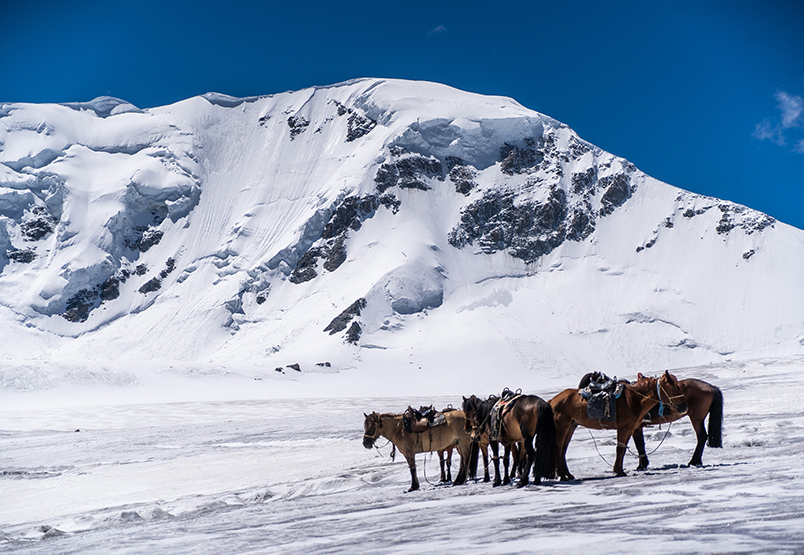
(331, 247)
(585, 182)
(527, 230)
(358, 126)
(110, 289)
(40, 224)
(690, 213)
(749, 254)
(408, 172)
(80, 305)
(515, 159)
(340, 322)
(337, 254)
(306, 268)
(353, 334)
(297, 126)
(264, 119)
(350, 215)
(261, 299)
(141, 269)
(581, 224)
(463, 177)
(150, 237)
(617, 191)
(324, 364)
(23, 256)
(295, 366)
(390, 202)
(170, 265)
(153, 284)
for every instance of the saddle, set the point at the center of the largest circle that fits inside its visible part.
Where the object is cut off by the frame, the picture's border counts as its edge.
(601, 396)
(418, 421)
(499, 410)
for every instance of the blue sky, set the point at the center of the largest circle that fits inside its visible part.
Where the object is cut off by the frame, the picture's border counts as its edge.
(706, 95)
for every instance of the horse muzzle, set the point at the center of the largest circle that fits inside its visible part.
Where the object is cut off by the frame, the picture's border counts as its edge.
(368, 442)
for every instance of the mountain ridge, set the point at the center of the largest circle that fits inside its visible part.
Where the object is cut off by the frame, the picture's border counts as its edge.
(224, 229)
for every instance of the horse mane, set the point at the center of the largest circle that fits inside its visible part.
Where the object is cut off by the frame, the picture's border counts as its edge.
(484, 408)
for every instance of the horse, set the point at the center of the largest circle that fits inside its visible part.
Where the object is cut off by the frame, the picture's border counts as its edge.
(437, 438)
(478, 415)
(701, 398)
(569, 410)
(529, 420)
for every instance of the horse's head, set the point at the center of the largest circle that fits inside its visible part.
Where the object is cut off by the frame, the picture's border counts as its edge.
(469, 408)
(670, 393)
(371, 429)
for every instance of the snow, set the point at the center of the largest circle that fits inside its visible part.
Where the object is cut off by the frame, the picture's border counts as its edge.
(231, 468)
(198, 434)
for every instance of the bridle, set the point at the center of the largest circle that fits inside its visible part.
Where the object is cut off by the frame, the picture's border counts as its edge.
(377, 423)
(659, 390)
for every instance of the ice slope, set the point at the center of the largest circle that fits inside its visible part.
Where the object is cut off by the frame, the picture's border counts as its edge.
(432, 231)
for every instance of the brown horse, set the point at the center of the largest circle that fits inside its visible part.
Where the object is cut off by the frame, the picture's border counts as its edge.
(437, 438)
(569, 409)
(478, 416)
(701, 398)
(529, 421)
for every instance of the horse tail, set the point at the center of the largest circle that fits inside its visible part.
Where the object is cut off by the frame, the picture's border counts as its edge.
(716, 419)
(546, 441)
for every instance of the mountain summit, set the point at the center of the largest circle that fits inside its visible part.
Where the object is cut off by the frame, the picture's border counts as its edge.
(389, 225)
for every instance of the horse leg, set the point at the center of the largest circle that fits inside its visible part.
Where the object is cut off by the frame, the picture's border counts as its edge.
(561, 452)
(639, 441)
(530, 453)
(485, 453)
(441, 465)
(414, 479)
(465, 451)
(506, 457)
(623, 435)
(449, 464)
(700, 431)
(495, 456)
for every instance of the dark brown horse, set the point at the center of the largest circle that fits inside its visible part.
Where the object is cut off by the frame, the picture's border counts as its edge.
(529, 422)
(437, 438)
(701, 398)
(569, 410)
(478, 418)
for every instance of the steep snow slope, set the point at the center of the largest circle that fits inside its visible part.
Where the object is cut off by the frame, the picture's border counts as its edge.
(402, 228)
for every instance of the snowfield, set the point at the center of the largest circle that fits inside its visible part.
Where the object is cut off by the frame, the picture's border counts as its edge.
(275, 475)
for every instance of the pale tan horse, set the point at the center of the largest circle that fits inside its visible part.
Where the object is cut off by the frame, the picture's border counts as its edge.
(437, 438)
(569, 411)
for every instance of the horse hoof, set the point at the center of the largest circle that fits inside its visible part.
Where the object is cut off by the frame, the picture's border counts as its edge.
(621, 473)
(640, 467)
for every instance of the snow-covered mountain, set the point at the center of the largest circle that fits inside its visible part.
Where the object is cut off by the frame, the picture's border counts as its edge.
(402, 228)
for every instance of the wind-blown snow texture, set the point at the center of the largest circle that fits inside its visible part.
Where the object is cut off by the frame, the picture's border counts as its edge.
(368, 245)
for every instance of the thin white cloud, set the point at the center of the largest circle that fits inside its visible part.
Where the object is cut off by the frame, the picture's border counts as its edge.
(765, 131)
(787, 128)
(791, 107)
(440, 30)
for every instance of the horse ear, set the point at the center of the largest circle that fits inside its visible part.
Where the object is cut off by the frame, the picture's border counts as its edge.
(366, 415)
(639, 375)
